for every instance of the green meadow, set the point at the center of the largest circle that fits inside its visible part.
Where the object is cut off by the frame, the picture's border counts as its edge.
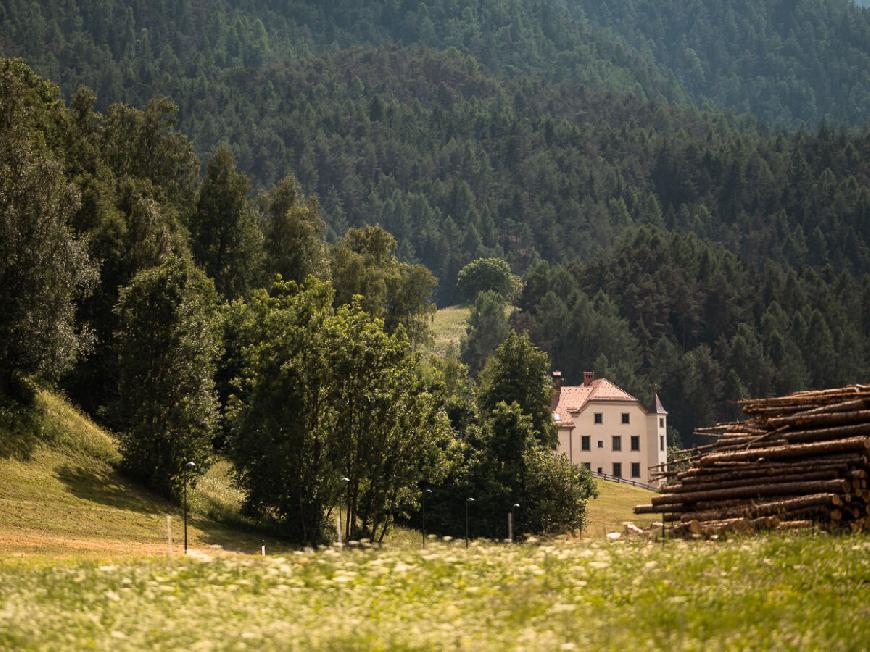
(769, 593)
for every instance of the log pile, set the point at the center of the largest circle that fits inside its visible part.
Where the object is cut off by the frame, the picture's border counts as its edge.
(796, 461)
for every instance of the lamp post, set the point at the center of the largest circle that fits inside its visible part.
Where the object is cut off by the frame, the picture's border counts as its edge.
(511, 522)
(423, 511)
(467, 501)
(190, 466)
(346, 482)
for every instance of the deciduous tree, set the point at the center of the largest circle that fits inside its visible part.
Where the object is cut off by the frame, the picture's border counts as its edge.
(168, 344)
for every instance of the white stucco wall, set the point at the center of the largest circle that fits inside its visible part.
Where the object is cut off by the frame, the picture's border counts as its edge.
(601, 454)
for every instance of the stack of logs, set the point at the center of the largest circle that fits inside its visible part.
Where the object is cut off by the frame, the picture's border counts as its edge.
(797, 461)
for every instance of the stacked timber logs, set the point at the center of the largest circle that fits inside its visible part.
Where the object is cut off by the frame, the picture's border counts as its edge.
(796, 461)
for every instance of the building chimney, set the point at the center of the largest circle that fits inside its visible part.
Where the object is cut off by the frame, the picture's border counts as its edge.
(557, 389)
(588, 377)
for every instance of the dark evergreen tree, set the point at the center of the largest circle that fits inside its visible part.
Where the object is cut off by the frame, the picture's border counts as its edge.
(487, 328)
(519, 373)
(226, 239)
(294, 231)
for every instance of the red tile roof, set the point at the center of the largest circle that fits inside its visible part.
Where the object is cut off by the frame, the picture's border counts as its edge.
(574, 398)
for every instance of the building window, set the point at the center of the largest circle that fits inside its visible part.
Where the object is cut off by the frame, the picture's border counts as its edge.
(600, 443)
(661, 422)
(600, 471)
(584, 443)
(587, 466)
(661, 443)
(626, 417)
(635, 442)
(599, 417)
(635, 469)
(617, 469)
(617, 443)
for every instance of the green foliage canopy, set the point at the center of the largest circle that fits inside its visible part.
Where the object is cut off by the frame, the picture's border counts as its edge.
(487, 275)
(168, 343)
(364, 263)
(44, 266)
(327, 393)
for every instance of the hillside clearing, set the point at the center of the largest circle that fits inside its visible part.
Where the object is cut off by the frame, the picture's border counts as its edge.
(448, 328)
(797, 592)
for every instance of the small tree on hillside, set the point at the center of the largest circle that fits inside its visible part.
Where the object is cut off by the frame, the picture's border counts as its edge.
(488, 275)
(168, 343)
(487, 328)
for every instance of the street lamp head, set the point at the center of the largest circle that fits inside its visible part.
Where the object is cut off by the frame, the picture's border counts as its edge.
(516, 504)
(345, 479)
(469, 500)
(190, 466)
(427, 491)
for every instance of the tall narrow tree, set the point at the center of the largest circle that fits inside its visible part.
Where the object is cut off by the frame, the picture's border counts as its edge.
(44, 267)
(168, 343)
(226, 239)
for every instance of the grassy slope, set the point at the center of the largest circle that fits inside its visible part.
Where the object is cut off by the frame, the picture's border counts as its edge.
(795, 592)
(448, 327)
(60, 495)
(613, 507)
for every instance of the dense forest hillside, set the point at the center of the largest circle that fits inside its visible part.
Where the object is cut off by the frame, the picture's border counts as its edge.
(680, 315)
(688, 181)
(787, 61)
(457, 155)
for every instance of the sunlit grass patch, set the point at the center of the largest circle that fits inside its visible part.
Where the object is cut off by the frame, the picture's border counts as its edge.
(61, 496)
(448, 328)
(613, 507)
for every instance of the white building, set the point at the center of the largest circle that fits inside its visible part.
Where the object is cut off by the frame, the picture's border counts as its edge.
(607, 430)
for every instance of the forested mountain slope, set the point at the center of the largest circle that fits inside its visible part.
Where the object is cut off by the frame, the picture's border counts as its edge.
(672, 312)
(131, 50)
(789, 62)
(456, 154)
(562, 132)
(786, 61)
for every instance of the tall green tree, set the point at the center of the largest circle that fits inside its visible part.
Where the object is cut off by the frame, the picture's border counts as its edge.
(487, 327)
(44, 266)
(519, 373)
(293, 228)
(168, 344)
(225, 237)
(389, 431)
